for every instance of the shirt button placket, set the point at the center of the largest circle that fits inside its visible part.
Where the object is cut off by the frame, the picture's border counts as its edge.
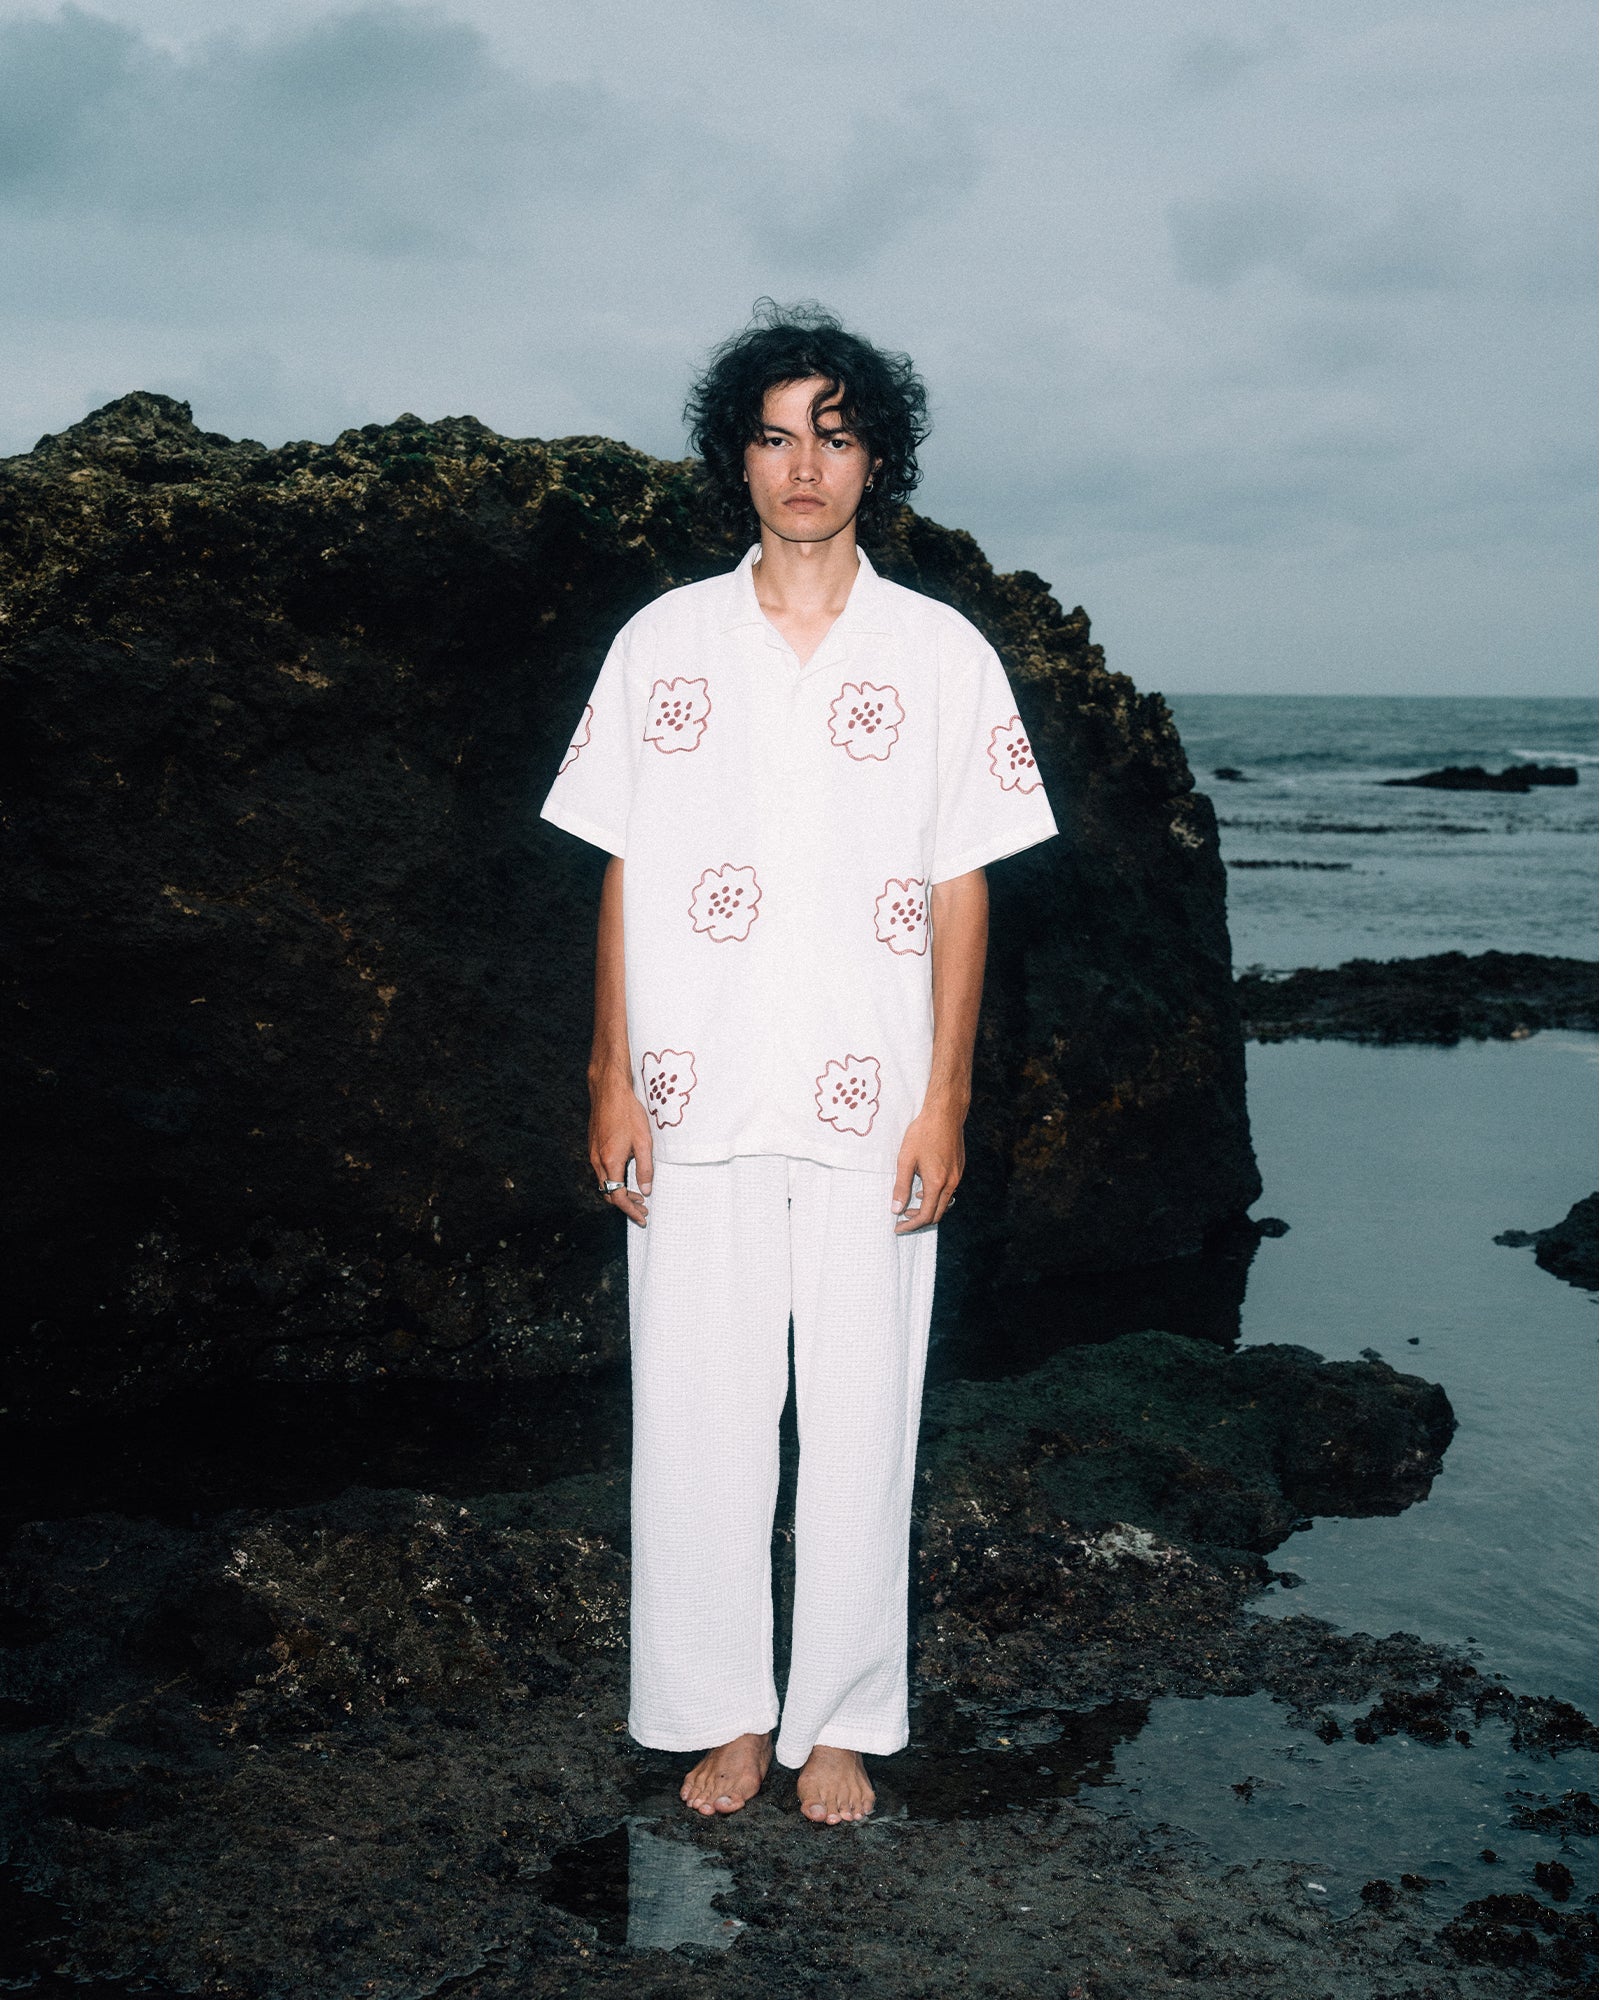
(777, 685)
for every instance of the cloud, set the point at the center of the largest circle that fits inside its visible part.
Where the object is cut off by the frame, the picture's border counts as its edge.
(1219, 240)
(1417, 242)
(1206, 305)
(845, 200)
(396, 132)
(1211, 62)
(382, 129)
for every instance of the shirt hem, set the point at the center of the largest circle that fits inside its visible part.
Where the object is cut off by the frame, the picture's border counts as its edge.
(584, 829)
(991, 850)
(713, 1155)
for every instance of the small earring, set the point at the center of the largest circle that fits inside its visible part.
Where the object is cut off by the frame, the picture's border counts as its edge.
(869, 485)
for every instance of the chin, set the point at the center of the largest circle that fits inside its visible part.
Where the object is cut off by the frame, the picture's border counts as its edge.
(809, 527)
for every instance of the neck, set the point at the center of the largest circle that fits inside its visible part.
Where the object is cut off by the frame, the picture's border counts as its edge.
(806, 576)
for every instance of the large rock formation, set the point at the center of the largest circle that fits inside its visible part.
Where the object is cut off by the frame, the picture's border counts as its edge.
(298, 981)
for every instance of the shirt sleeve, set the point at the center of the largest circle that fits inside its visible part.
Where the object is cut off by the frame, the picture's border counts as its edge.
(593, 792)
(991, 794)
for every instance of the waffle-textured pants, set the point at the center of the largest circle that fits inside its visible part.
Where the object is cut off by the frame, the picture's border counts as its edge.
(731, 1250)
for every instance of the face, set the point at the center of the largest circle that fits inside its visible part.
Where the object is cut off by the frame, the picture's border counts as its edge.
(805, 483)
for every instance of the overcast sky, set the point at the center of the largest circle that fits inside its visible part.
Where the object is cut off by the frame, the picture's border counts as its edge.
(1262, 330)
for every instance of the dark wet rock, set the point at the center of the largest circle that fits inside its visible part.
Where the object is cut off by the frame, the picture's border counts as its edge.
(1230, 774)
(1094, 1527)
(369, 1746)
(1519, 1930)
(1445, 998)
(298, 981)
(1323, 867)
(1570, 1248)
(1571, 1815)
(1555, 1878)
(1474, 778)
(229, 1444)
(1538, 1725)
(1378, 1895)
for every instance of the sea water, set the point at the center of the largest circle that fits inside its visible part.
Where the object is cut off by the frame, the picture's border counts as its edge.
(1395, 1169)
(1385, 872)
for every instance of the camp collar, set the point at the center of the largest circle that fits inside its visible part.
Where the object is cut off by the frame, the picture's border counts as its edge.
(865, 608)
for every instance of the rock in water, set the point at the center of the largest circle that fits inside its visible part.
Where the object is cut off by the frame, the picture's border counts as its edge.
(1444, 998)
(1569, 1248)
(1474, 778)
(300, 982)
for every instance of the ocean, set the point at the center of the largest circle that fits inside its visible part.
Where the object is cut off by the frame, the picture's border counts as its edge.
(1395, 1169)
(1359, 870)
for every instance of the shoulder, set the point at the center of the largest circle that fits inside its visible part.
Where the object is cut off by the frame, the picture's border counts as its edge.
(686, 604)
(930, 618)
(962, 657)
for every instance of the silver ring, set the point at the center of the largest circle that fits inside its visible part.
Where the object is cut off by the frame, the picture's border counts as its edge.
(610, 1187)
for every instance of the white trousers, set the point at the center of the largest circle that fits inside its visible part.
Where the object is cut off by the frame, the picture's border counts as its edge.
(730, 1251)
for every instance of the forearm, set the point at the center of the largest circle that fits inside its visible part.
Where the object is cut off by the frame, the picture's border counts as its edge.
(959, 923)
(609, 1057)
(618, 1128)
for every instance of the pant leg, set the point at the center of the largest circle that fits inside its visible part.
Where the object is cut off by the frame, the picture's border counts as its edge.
(708, 1311)
(862, 1297)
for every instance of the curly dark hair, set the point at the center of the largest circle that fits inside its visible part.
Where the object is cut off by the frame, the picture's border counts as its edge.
(881, 398)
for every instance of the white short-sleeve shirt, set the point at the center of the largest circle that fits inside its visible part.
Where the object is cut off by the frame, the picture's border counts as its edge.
(782, 826)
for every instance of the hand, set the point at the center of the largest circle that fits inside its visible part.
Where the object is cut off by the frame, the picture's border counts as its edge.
(619, 1131)
(934, 1149)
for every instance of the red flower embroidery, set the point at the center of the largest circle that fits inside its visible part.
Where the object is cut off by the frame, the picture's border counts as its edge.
(864, 720)
(580, 737)
(668, 1079)
(847, 1094)
(724, 904)
(1011, 757)
(902, 916)
(677, 717)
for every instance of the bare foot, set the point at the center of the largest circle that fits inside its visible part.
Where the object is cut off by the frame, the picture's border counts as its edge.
(725, 1778)
(833, 1786)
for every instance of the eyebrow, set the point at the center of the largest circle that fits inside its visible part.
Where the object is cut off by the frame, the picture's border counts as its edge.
(816, 431)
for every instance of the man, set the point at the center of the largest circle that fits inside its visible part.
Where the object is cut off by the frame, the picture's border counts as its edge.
(800, 771)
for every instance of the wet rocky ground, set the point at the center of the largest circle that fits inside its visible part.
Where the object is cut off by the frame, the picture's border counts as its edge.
(373, 1744)
(1443, 998)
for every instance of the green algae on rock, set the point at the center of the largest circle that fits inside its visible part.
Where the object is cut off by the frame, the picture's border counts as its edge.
(298, 981)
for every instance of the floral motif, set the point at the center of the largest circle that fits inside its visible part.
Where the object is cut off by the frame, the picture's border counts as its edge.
(668, 1079)
(677, 715)
(1011, 757)
(580, 737)
(725, 902)
(847, 1094)
(864, 720)
(902, 916)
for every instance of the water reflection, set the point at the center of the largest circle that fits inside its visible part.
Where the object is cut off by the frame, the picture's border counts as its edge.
(1009, 1759)
(640, 1889)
